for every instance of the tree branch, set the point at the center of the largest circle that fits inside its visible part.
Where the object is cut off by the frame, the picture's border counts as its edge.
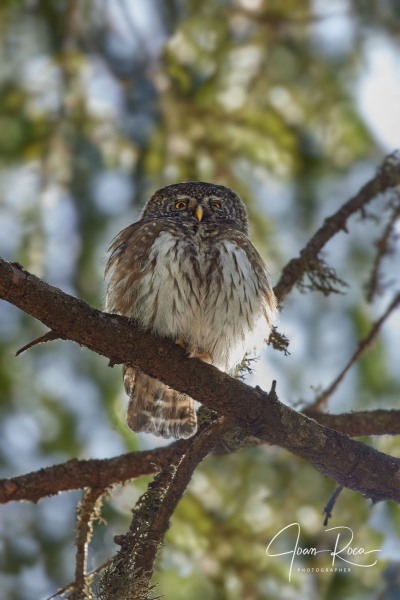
(388, 177)
(50, 336)
(129, 574)
(79, 474)
(360, 424)
(364, 344)
(96, 473)
(88, 511)
(385, 247)
(352, 464)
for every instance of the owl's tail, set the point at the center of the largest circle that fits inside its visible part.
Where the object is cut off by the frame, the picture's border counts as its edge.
(156, 408)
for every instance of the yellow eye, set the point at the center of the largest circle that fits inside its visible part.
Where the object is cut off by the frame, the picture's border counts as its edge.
(216, 205)
(181, 204)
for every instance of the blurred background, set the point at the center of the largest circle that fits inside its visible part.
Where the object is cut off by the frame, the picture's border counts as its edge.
(291, 103)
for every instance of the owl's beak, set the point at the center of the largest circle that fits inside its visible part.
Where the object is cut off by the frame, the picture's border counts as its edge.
(199, 212)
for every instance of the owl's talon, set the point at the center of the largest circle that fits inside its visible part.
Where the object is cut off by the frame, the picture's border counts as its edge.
(193, 353)
(201, 355)
(179, 342)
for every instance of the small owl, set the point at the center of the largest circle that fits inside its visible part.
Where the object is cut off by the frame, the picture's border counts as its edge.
(187, 270)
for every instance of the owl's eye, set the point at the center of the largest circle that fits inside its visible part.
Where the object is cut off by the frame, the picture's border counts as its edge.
(216, 205)
(181, 204)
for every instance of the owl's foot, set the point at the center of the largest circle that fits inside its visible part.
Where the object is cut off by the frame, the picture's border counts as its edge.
(201, 355)
(193, 353)
(179, 342)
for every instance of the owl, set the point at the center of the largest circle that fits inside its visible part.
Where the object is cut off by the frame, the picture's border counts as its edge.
(187, 270)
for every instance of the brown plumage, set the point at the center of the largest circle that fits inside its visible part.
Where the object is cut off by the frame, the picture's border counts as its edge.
(188, 271)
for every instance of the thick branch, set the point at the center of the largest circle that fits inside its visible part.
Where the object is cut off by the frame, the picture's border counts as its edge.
(350, 463)
(360, 424)
(132, 567)
(78, 474)
(94, 473)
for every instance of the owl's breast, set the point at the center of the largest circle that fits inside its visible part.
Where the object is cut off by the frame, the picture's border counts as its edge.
(201, 288)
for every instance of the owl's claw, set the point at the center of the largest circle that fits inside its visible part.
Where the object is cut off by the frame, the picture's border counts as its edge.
(179, 342)
(201, 355)
(193, 353)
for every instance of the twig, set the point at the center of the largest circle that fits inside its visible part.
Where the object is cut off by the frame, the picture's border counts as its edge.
(278, 341)
(365, 343)
(387, 177)
(384, 249)
(61, 591)
(330, 504)
(47, 337)
(88, 511)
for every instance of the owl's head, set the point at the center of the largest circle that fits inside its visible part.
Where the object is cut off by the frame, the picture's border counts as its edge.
(199, 203)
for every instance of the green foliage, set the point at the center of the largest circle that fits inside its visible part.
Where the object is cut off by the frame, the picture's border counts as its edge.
(98, 108)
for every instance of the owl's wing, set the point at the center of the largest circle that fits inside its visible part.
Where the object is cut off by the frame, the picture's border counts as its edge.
(132, 244)
(128, 262)
(268, 299)
(153, 406)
